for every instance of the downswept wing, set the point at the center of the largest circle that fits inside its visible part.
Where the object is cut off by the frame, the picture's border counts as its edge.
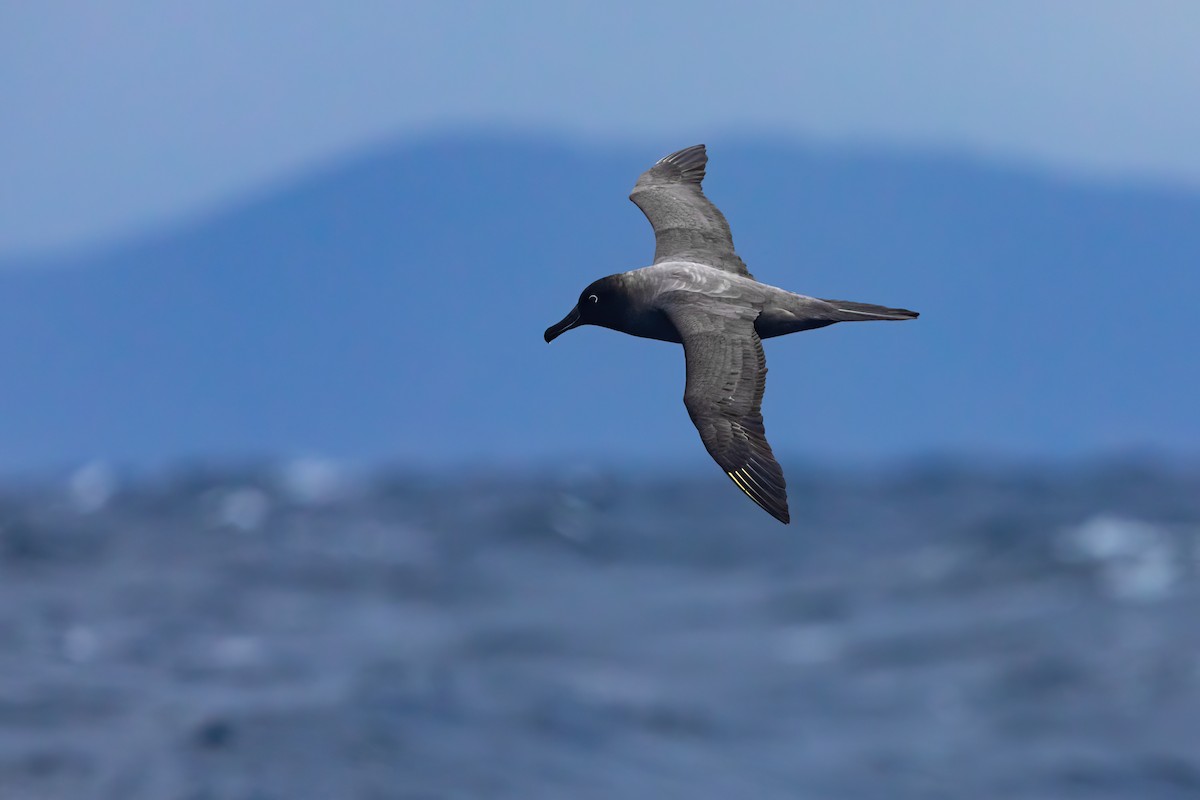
(726, 377)
(687, 226)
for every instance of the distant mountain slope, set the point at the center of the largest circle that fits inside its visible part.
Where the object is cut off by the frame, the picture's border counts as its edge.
(392, 307)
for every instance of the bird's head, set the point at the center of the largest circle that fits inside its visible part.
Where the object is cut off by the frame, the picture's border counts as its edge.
(602, 303)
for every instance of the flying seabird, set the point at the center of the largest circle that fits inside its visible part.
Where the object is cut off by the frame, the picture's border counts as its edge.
(698, 293)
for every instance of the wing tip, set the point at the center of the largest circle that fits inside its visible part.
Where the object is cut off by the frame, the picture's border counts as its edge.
(690, 162)
(688, 154)
(775, 505)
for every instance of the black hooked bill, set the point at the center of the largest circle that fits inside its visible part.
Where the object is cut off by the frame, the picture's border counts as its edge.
(571, 320)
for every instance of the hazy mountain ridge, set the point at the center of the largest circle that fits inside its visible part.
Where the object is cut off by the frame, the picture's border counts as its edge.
(392, 307)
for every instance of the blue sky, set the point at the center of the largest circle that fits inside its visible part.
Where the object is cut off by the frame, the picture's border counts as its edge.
(124, 115)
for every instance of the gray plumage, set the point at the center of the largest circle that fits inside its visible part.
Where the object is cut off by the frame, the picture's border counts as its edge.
(699, 293)
(687, 227)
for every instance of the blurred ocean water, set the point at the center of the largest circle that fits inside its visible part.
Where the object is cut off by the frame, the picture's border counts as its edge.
(294, 631)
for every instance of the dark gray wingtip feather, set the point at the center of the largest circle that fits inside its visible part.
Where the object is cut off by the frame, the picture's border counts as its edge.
(686, 165)
(762, 481)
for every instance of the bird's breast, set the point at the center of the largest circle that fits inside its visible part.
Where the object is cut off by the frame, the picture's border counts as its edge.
(648, 323)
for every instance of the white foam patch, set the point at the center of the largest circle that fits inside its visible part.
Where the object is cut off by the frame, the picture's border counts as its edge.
(314, 481)
(245, 509)
(1135, 560)
(91, 487)
(80, 644)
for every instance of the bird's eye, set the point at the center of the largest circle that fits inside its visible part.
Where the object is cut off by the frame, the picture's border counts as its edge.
(593, 299)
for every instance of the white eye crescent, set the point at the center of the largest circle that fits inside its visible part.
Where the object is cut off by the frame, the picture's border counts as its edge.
(593, 299)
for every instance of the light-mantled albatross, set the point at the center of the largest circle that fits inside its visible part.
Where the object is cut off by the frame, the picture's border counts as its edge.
(698, 293)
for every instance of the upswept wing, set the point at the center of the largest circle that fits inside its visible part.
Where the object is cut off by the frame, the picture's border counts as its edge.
(687, 226)
(726, 377)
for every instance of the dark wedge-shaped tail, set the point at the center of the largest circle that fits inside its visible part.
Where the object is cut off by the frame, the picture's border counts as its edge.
(851, 311)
